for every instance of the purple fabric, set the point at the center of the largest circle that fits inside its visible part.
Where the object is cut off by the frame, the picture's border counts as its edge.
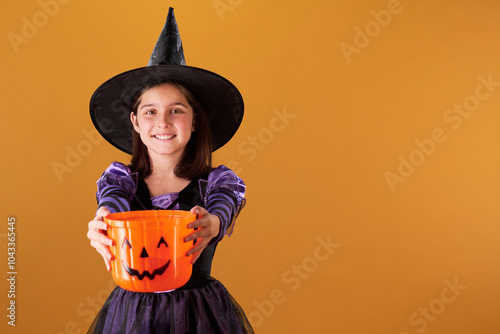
(205, 310)
(222, 187)
(224, 195)
(116, 188)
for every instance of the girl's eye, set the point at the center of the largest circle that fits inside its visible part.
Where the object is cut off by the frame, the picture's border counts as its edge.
(150, 112)
(177, 111)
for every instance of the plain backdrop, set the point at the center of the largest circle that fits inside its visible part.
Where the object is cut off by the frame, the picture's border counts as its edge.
(369, 146)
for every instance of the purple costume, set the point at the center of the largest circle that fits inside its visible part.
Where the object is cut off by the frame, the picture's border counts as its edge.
(202, 305)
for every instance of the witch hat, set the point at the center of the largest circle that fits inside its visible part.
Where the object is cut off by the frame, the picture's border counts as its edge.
(111, 103)
(168, 49)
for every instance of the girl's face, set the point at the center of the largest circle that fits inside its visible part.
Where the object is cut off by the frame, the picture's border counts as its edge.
(164, 121)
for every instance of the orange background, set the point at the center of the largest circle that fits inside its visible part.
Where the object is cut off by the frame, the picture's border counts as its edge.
(368, 128)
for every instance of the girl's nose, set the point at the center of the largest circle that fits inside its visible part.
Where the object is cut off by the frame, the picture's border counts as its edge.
(164, 120)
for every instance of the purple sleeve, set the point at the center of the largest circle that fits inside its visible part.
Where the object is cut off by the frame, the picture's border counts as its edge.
(116, 188)
(225, 197)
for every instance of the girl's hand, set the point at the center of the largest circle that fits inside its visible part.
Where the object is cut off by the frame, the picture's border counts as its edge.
(98, 236)
(208, 227)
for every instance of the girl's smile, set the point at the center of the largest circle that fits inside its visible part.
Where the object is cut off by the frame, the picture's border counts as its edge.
(163, 137)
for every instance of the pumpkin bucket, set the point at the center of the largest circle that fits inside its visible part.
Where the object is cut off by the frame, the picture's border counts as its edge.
(149, 251)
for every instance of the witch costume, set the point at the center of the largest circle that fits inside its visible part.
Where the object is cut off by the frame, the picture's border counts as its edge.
(202, 305)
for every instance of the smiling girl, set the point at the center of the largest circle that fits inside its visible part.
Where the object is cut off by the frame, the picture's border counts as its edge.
(176, 117)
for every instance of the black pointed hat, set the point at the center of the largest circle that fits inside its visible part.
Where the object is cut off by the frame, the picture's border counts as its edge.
(111, 103)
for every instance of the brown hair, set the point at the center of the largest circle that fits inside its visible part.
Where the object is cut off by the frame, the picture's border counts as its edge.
(197, 157)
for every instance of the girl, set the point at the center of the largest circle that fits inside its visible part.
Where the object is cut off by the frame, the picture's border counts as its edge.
(179, 115)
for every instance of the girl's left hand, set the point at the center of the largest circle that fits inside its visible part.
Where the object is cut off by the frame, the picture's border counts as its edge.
(208, 227)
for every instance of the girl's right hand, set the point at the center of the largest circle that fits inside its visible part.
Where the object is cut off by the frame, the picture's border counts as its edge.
(98, 236)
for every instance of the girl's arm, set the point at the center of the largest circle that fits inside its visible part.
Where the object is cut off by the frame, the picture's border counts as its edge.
(115, 189)
(224, 200)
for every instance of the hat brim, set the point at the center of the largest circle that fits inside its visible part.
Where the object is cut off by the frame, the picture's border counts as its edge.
(111, 103)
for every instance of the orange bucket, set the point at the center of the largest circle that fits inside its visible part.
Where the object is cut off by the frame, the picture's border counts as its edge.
(149, 251)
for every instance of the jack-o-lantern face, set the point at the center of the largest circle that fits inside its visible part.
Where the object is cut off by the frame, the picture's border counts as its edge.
(149, 251)
(144, 255)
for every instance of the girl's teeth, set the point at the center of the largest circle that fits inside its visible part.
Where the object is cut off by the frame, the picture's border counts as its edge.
(164, 136)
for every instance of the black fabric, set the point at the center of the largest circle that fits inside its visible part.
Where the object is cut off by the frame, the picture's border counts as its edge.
(142, 198)
(207, 310)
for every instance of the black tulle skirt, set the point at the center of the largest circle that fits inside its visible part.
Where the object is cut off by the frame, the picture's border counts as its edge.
(207, 309)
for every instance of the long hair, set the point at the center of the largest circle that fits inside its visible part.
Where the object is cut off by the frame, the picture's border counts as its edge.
(197, 156)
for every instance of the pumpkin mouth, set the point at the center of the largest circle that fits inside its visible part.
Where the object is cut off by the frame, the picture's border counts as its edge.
(134, 272)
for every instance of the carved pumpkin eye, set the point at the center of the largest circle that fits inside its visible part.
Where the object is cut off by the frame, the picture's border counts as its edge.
(126, 243)
(162, 241)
